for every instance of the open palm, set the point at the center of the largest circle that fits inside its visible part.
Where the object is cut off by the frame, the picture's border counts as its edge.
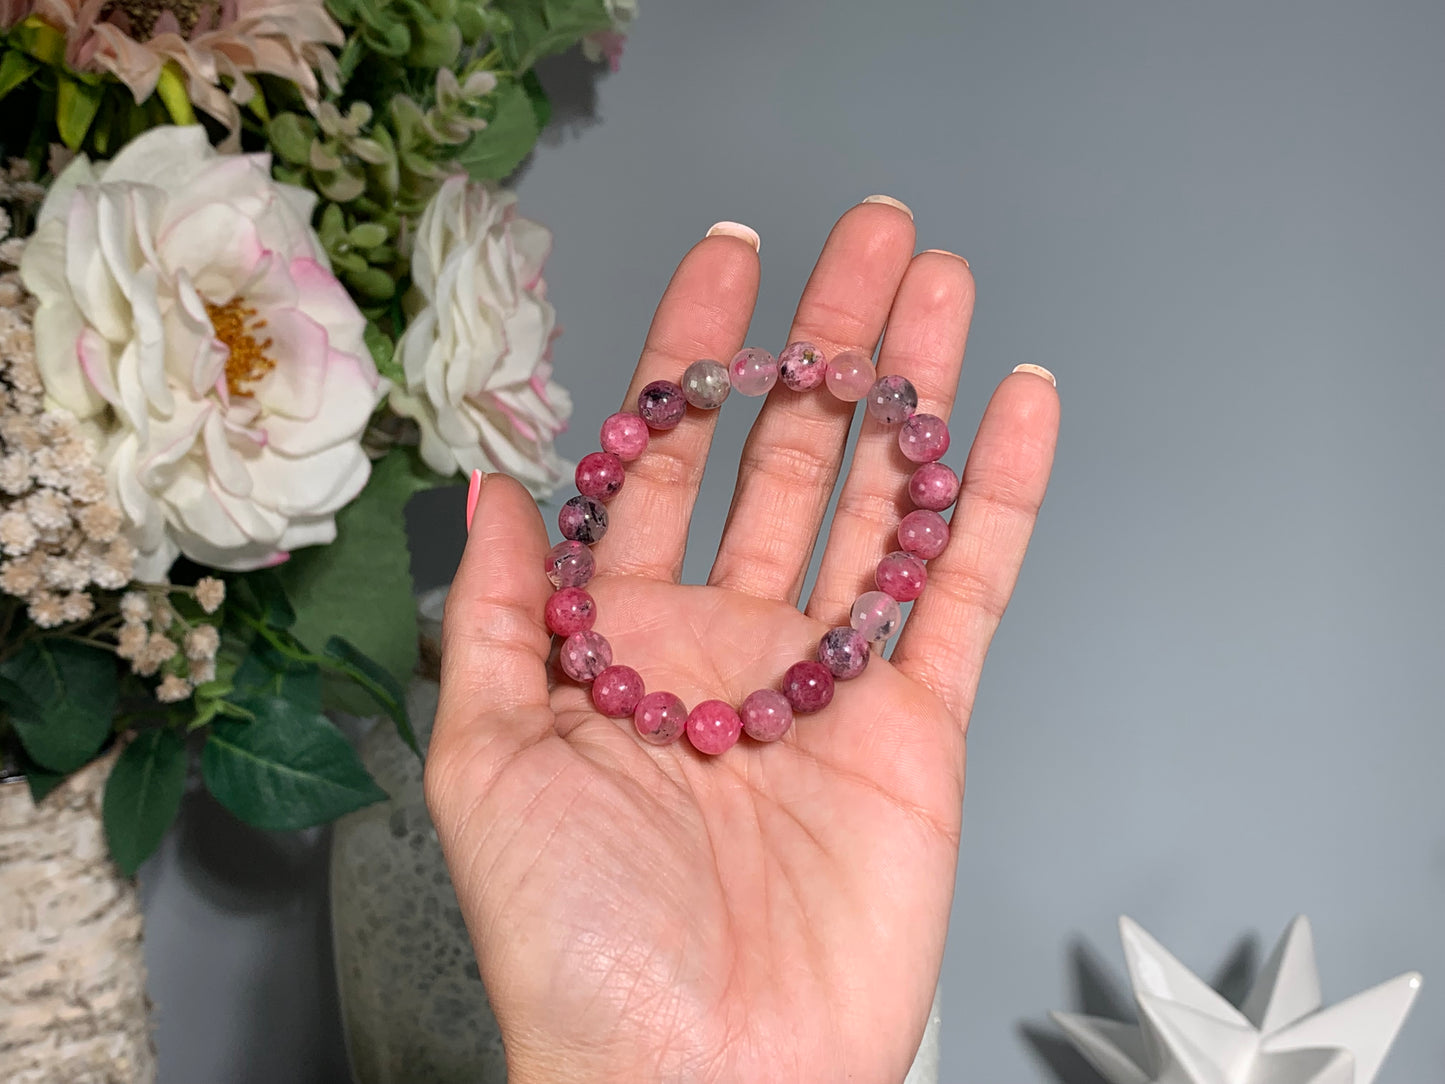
(777, 913)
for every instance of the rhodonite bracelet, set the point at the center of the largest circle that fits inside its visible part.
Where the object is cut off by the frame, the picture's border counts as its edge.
(714, 726)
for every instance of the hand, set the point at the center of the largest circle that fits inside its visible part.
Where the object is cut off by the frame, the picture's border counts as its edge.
(776, 913)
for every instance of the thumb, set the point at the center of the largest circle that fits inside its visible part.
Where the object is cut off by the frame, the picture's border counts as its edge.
(495, 643)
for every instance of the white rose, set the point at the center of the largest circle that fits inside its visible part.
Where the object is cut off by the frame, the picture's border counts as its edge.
(189, 318)
(477, 350)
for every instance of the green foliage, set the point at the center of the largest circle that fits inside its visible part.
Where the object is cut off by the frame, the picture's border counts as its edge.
(510, 134)
(359, 588)
(543, 29)
(284, 767)
(68, 701)
(382, 686)
(143, 795)
(42, 101)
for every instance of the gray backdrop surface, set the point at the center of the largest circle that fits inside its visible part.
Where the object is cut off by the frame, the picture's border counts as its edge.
(1217, 699)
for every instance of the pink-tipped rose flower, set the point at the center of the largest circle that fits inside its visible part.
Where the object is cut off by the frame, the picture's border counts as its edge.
(189, 319)
(476, 351)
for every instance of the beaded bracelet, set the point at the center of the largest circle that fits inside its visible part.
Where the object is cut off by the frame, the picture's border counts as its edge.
(714, 726)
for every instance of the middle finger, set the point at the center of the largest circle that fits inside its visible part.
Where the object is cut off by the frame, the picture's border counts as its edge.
(791, 459)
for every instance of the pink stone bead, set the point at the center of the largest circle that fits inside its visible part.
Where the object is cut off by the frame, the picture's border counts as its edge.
(933, 486)
(850, 375)
(570, 564)
(892, 399)
(808, 685)
(802, 366)
(600, 476)
(923, 533)
(617, 691)
(624, 435)
(660, 718)
(713, 727)
(570, 610)
(901, 576)
(584, 655)
(661, 404)
(924, 438)
(766, 715)
(753, 371)
(876, 615)
(845, 652)
(582, 520)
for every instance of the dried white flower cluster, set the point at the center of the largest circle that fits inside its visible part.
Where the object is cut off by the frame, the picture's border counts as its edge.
(152, 634)
(59, 531)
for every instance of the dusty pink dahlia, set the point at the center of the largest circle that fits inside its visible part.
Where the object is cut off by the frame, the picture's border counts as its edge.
(215, 44)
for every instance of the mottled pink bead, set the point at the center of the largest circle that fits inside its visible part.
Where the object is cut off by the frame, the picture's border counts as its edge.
(766, 715)
(802, 366)
(661, 404)
(876, 616)
(624, 435)
(713, 727)
(923, 533)
(844, 651)
(892, 399)
(924, 438)
(570, 564)
(583, 520)
(933, 486)
(660, 718)
(617, 691)
(753, 371)
(808, 685)
(901, 576)
(600, 476)
(584, 655)
(850, 375)
(569, 610)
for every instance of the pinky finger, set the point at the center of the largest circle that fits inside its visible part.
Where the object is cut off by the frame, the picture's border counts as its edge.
(948, 633)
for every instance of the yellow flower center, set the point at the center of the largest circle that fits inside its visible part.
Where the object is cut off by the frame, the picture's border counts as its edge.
(141, 15)
(234, 325)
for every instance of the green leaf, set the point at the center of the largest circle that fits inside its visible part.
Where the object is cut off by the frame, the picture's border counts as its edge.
(291, 138)
(541, 103)
(268, 595)
(542, 29)
(71, 689)
(75, 109)
(171, 90)
(384, 688)
(15, 69)
(265, 671)
(368, 234)
(42, 781)
(288, 768)
(509, 136)
(383, 352)
(372, 284)
(359, 587)
(143, 795)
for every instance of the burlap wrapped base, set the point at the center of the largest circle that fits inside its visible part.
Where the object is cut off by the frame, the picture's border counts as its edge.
(73, 1006)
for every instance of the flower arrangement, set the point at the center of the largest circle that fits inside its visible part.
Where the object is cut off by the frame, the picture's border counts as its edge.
(258, 286)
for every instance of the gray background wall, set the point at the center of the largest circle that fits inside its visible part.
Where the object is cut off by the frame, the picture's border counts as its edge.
(1217, 700)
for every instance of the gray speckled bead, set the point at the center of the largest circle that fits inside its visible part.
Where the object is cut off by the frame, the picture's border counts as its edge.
(705, 384)
(891, 400)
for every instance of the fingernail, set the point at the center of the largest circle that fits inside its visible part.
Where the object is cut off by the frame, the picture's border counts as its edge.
(889, 201)
(738, 230)
(945, 252)
(474, 490)
(1037, 370)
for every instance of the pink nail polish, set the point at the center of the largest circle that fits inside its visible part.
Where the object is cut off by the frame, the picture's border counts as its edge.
(474, 490)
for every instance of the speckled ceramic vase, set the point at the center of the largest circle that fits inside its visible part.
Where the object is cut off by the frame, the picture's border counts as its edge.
(413, 1005)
